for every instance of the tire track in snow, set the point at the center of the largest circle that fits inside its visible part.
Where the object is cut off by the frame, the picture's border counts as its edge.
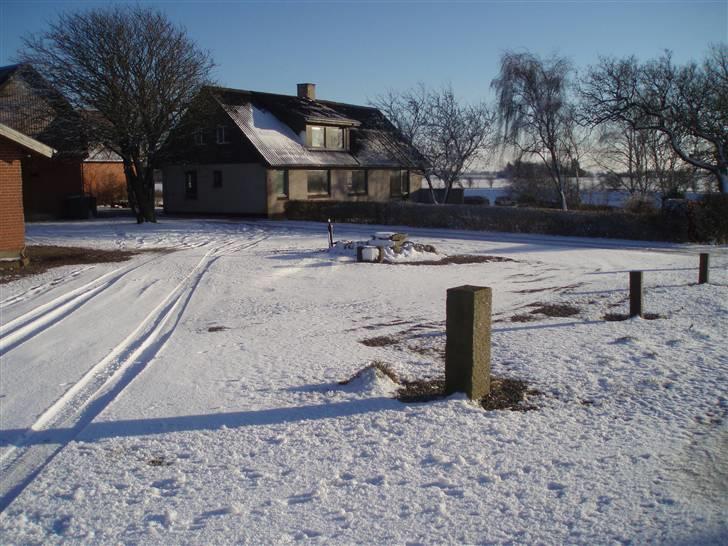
(19, 330)
(63, 421)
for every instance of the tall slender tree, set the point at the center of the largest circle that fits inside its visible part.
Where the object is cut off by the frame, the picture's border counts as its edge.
(535, 113)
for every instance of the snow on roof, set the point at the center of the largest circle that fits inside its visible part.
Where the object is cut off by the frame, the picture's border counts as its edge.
(277, 142)
(266, 120)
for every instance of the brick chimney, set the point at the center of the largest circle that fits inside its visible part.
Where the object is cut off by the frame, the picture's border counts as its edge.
(307, 91)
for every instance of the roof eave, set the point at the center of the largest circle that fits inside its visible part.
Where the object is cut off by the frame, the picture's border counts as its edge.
(24, 141)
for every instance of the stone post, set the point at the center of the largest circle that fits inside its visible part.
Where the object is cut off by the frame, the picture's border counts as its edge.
(467, 349)
(704, 266)
(635, 293)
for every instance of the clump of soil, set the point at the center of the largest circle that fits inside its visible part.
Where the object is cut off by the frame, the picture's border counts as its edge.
(43, 258)
(523, 318)
(615, 317)
(159, 461)
(459, 259)
(383, 367)
(379, 341)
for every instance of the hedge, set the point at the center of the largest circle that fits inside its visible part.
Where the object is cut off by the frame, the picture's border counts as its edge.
(701, 222)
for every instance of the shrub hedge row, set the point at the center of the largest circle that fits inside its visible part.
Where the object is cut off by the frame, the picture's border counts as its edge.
(705, 221)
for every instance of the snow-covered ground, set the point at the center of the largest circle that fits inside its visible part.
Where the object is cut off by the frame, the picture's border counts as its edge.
(193, 396)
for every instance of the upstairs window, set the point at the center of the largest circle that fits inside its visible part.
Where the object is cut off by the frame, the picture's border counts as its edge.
(325, 138)
(217, 179)
(318, 182)
(280, 183)
(222, 135)
(191, 185)
(318, 138)
(199, 138)
(358, 184)
(399, 183)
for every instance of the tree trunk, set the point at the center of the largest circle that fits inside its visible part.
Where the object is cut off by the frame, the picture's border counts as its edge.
(432, 189)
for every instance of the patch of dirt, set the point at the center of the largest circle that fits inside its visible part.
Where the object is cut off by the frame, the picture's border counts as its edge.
(459, 259)
(217, 328)
(42, 258)
(505, 393)
(556, 310)
(509, 394)
(615, 317)
(379, 341)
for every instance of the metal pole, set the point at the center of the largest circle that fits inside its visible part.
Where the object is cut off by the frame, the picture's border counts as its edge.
(331, 234)
(704, 265)
(635, 293)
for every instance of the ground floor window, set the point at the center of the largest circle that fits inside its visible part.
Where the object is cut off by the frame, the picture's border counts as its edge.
(318, 182)
(217, 179)
(399, 183)
(191, 184)
(280, 183)
(358, 184)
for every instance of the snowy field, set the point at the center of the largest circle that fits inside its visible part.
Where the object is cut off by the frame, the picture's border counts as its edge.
(193, 396)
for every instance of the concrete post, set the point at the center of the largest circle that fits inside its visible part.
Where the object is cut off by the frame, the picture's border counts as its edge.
(704, 265)
(467, 349)
(635, 293)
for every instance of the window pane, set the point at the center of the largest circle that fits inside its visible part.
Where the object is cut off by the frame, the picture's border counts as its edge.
(191, 185)
(280, 183)
(359, 181)
(217, 179)
(317, 136)
(334, 138)
(398, 183)
(395, 183)
(318, 182)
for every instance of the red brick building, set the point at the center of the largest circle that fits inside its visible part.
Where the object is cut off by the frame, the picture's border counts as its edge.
(15, 147)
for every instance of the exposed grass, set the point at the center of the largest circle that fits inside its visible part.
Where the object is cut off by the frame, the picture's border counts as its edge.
(556, 310)
(459, 259)
(523, 318)
(42, 258)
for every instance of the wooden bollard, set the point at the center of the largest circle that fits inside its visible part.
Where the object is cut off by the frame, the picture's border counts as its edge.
(467, 348)
(635, 293)
(704, 266)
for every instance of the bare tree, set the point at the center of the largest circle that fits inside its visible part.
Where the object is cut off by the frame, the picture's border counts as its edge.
(137, 73)
(688, 104)
(449, 135)
(534, 112)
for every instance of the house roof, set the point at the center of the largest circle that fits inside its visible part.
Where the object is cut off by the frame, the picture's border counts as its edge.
(25, 141)
(30, 105)
(270, 121)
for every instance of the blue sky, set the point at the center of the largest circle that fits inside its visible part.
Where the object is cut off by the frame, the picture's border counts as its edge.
(357, 49)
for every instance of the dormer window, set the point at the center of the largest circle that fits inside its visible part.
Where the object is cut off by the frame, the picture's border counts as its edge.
(222, 135)
(325, 138)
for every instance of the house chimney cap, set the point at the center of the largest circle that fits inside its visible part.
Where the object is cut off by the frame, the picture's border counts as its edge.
(307, 90)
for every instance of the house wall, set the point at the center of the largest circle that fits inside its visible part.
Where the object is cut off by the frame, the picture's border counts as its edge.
(243, 189)
(46, 184)
(105, 180)
(377, 188)
(12, 225)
